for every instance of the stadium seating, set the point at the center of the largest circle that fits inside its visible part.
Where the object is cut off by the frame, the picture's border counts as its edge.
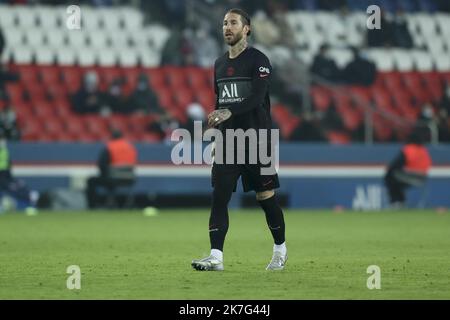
(39, 34)
(115, 42)
(400, 93)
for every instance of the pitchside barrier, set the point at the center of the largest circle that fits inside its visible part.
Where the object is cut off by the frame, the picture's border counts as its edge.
(311, 175)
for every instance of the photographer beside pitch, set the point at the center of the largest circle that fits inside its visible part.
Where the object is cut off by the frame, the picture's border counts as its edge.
(241, 80)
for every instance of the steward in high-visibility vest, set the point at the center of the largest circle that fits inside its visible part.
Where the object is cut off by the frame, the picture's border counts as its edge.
(118, 153)
(409, 168)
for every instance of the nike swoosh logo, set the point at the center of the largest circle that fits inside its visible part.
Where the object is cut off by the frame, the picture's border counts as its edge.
(213, 230)
(265, 184)
(263, 75)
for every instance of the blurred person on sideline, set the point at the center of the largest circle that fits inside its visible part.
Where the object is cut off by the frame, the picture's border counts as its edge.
(409, 168)
(117, 152)
(12, 187)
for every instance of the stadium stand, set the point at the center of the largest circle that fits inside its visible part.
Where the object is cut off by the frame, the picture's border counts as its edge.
(118, 42)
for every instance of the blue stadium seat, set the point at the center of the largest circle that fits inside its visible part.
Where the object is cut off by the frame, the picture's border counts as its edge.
(387, 5)
(408, 5)
(310, 5)
(357, 5)
(428, 5)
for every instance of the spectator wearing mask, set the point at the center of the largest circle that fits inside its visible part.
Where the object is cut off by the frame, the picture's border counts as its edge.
(88, 99)
(143, 98)
(115, 99)
(195, 112)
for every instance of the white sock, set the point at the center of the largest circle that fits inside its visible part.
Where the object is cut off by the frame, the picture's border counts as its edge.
(217, 254)
(280, 248)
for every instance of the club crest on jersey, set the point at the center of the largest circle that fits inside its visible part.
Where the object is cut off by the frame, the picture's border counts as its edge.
(230, 71)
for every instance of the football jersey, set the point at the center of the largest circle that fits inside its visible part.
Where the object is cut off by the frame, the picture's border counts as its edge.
(242, 86)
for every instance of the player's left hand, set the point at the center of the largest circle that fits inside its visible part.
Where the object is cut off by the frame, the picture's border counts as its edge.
(218, 116)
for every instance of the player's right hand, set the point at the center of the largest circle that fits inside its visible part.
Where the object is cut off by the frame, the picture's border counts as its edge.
(217, 117)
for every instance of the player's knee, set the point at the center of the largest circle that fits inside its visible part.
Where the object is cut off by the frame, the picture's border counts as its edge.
(263, 195)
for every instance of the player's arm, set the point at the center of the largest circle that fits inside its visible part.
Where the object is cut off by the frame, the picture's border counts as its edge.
(218, 115)
(260, 85)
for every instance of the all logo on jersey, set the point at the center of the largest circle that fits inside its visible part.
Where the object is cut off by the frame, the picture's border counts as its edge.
(233, 91)
(230, 91)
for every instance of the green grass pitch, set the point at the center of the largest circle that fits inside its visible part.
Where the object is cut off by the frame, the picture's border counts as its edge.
(125, 255)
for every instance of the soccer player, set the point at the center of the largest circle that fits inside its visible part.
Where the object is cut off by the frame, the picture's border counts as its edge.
(241, 78)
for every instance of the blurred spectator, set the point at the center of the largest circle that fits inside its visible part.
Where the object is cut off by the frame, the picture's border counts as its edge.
(164, 126)
(427, 120)
(284, 91)
(144, 99)
(187, 47)
(444, 116)
(11, 186)
(194, 112)
(8, 123)
(309, 129)
(118, 153)
(266, 31)
(444, 103)
(381, 37)
(409, 168)
(2, 43)
(443, 123)
(88, 99)
(324, 66)
(208, 51)
(331, 119)
(170, 54)
(5, 76)
(115, 100)
(178, 48)
(360, 71)
(426, 115)
(401, 36)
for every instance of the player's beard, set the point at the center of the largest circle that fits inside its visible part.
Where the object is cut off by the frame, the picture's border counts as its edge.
(234, 39)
